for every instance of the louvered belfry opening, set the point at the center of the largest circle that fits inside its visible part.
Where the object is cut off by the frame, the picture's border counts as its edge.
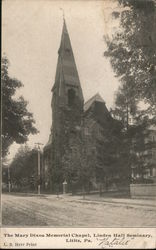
(71, 97)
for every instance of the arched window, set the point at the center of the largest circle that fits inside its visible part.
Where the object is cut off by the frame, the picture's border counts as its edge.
(71, 97)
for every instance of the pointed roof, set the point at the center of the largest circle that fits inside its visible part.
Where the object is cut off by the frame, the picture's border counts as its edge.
(95, 98)
(66, 72)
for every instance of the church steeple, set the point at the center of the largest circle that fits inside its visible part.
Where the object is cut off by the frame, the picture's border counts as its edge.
(67, 108)
(66, 72)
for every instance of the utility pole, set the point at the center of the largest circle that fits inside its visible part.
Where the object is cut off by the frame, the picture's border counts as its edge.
(39, 167)
(83, 153)
(9, 184)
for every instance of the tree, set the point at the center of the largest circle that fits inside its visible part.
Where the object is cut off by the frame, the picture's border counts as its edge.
(112, 155)
(132, 53)
(134, 135)
(17, 121)
(132, 50)
(23, 169)
(125, 105)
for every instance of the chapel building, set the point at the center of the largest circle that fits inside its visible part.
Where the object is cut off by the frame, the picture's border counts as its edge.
(77, 128)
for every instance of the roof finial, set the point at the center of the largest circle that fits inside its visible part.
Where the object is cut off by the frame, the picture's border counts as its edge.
(63, 14)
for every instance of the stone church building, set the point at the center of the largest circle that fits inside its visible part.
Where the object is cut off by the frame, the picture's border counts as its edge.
(76, 130)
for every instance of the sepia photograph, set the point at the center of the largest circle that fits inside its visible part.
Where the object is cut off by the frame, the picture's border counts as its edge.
(78, 131)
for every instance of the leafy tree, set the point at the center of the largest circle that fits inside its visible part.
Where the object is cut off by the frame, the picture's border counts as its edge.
(125, 105)
(132, 51)
(23, 168)
(17, 121)
(134, 136)
(112, 155)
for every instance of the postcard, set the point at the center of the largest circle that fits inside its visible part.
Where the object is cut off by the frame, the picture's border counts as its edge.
(78, 124)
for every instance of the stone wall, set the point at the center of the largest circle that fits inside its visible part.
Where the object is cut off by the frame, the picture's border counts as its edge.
(147, 191)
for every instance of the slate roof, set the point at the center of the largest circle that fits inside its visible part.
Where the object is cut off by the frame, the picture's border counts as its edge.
(95, 98)
(66, 71)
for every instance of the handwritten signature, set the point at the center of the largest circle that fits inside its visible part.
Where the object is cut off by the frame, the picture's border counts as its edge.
(109, 242)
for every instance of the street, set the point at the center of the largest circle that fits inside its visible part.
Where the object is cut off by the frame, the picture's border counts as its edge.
(64, 211)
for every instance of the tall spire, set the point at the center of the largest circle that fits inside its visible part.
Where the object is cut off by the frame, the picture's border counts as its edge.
(63, 15)
(66, 72)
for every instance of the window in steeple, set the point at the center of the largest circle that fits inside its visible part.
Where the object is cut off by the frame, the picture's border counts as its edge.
(67, 50)
(71, 97)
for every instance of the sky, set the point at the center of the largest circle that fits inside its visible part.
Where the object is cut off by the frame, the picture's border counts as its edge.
(31, 33)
